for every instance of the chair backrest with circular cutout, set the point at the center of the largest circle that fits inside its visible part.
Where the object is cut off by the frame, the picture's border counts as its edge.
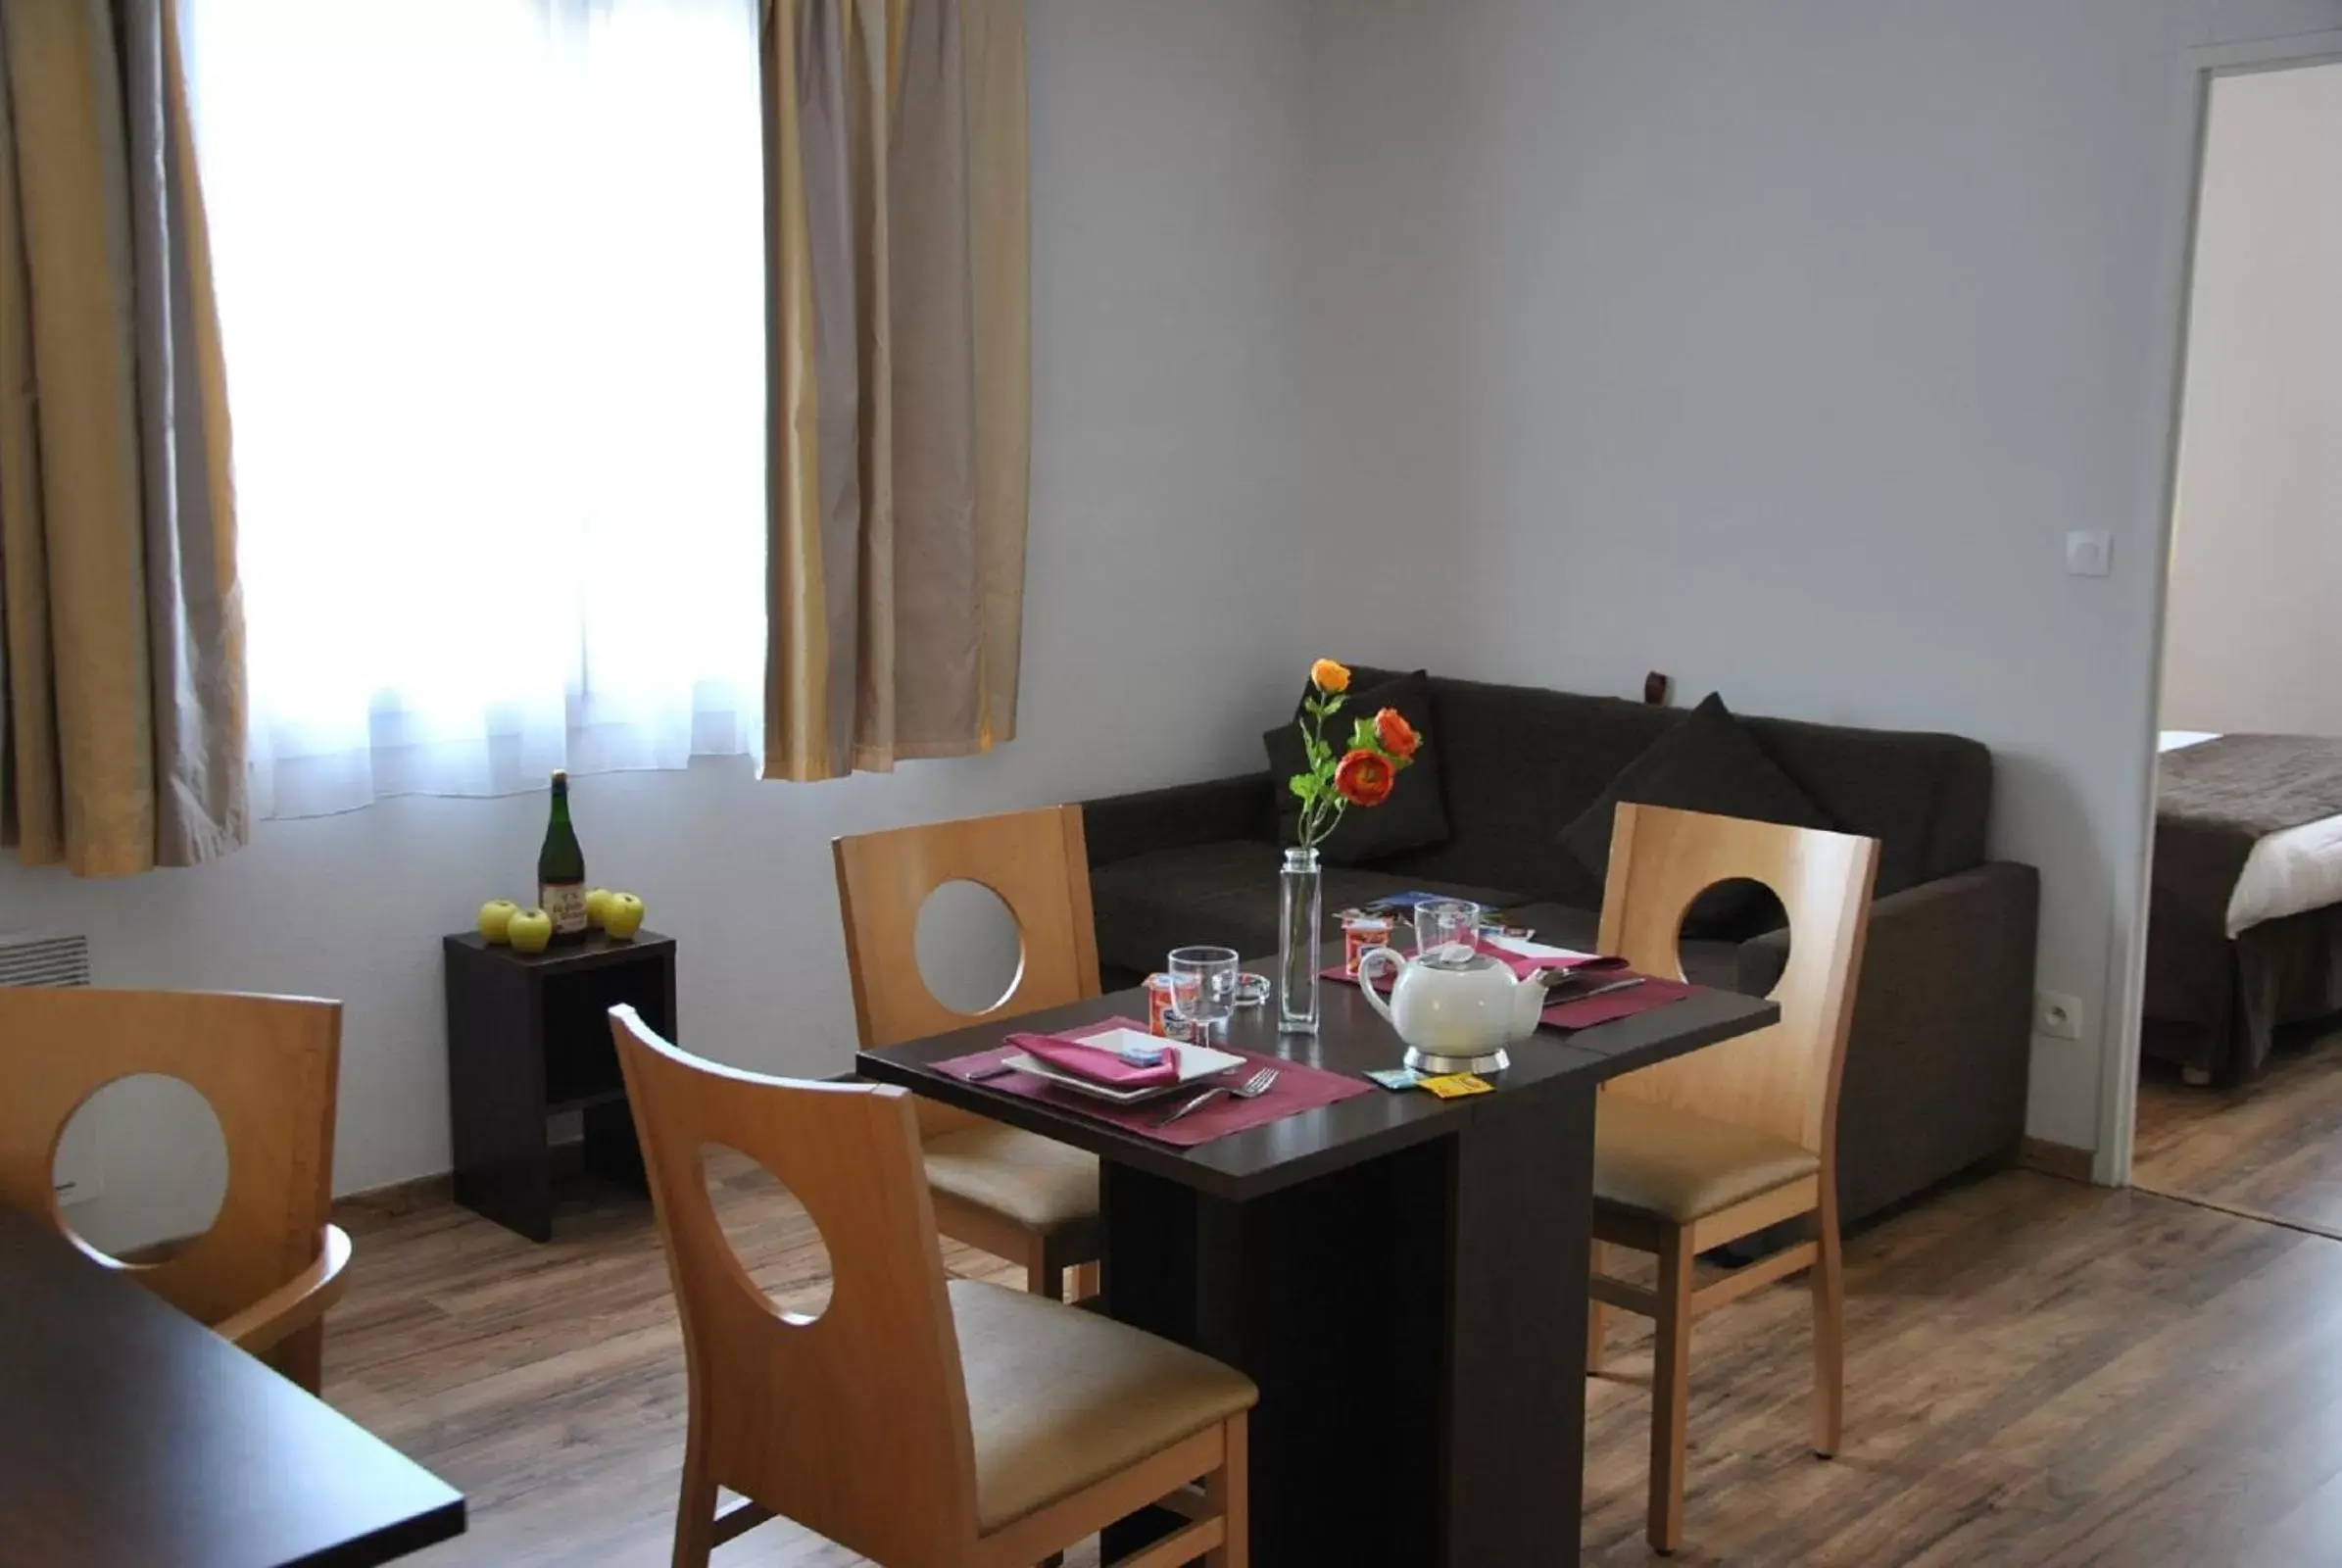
(1783, 1079)
(853, 1423)
(1036, 861)
(268, 1067)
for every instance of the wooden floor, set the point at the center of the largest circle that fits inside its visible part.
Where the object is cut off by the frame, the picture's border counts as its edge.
(2270, 1148)
(2039, 1372)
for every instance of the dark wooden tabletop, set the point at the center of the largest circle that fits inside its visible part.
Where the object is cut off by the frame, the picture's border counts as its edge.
(1352, 1038)
(130, 1434)
(595, 950)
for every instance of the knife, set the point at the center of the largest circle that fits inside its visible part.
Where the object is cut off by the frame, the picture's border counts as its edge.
(1601, 991)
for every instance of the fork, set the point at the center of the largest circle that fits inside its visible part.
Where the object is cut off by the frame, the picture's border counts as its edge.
(1251, 1088)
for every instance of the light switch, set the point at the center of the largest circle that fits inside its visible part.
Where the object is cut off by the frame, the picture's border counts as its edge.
(2089, 552)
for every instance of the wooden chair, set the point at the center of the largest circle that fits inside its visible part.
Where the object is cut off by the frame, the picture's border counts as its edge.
(921, 1423)
(269, 1267)
(1013, 1193)
(1728, 1141)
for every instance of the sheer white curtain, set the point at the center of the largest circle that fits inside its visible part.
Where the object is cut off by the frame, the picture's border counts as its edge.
(490, 281)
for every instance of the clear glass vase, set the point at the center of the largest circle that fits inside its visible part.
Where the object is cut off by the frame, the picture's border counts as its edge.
(1300, 917)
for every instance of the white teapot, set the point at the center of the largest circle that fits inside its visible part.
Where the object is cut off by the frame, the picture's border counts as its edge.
(1456, 1008)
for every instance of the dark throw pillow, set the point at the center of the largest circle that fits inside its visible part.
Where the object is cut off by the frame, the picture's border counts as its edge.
(1415, 815)
(1709, 763)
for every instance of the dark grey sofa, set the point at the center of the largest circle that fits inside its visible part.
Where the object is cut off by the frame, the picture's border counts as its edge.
(1937, 1062)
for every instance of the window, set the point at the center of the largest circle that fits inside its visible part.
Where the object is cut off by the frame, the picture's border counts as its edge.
(490, 278)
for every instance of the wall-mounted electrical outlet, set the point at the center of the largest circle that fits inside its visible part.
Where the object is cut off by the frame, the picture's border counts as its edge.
(2057, 1015)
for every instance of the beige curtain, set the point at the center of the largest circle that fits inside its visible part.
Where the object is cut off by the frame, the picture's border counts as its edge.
(896, 220)
(121, 625)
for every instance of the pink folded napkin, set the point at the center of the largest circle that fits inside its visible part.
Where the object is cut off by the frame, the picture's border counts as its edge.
(1096, 1063)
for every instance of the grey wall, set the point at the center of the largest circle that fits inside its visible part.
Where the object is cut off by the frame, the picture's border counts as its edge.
(1163, 622)
(2257, 560)
(1778, 346)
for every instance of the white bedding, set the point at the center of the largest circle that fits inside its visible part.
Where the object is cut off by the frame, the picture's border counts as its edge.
(2288, 872)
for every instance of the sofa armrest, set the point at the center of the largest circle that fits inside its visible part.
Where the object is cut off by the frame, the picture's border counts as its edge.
(1215, 811)
(1939, 1057)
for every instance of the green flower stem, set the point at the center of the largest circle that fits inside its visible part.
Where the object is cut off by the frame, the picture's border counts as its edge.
(1322, 804)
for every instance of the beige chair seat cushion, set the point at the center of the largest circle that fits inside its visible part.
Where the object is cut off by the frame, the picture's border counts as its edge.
(1059, 1399)
(1038, 1183)
(1681, 1166)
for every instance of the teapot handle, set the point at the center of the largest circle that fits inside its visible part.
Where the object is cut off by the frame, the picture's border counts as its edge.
(1368, 962)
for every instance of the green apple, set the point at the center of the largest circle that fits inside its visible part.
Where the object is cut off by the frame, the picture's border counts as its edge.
(529, 930)
(622, 916)
(597, 901)
(496, 918)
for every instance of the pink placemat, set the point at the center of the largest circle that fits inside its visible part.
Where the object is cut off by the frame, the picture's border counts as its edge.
(1299, 1087)
(1582, 1012)
(1586, 1011)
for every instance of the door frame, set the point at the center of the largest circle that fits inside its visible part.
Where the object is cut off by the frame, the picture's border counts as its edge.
(2118, 1109)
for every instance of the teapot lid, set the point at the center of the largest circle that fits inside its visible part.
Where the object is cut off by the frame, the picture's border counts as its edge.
(1455, 957)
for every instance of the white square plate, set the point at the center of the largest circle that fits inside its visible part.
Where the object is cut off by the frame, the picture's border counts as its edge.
(1534, 950)
(1195, 1061)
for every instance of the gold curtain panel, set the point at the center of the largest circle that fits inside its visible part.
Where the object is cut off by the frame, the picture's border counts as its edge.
(896, 238)
(122, 659)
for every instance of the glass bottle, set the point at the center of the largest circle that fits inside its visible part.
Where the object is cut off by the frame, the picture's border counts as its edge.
(561, 869)
(1302, 916)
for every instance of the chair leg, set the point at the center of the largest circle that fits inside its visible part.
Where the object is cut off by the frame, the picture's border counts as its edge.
(695, 1505)
(1597, 1315)
(1830, 1329)
(1082, 1282)
(301, 1356)
(1041, 1270)
(1226, 1491)
(1671, 1392)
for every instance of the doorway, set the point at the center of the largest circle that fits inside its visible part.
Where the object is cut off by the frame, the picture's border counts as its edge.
(2239, 1088)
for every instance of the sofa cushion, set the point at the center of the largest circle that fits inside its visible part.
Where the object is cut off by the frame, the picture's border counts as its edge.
(1416, 814)
(1517, 762)
(1707, 763)
(1225, 893)
(1926, 798)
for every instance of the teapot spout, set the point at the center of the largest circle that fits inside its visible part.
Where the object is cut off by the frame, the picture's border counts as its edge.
(1529, 1005)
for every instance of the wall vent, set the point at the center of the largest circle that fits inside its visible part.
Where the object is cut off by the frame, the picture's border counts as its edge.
(30, 961)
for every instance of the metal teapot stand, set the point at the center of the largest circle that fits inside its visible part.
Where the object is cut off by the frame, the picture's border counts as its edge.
(1434, 1065)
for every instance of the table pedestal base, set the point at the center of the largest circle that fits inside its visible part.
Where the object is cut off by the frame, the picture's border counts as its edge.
(1416, 1324)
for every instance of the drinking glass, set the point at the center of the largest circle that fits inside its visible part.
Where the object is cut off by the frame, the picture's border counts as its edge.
(1446, 932)
(1203, 987)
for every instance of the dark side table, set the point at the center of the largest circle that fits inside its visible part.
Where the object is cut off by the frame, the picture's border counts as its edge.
(528, 1036)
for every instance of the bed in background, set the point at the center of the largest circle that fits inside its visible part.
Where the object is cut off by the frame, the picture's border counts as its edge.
(2244, 924)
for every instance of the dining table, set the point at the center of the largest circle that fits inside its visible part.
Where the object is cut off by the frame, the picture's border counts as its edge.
(1405, 1276)
(132, 1434)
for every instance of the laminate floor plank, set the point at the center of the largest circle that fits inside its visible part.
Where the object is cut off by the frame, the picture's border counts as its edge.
(2273, 1146)
(2037, 1372)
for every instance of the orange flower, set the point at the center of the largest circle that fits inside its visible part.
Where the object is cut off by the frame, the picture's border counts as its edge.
(1330, 677)
(1365, 777)
(1397, 736)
